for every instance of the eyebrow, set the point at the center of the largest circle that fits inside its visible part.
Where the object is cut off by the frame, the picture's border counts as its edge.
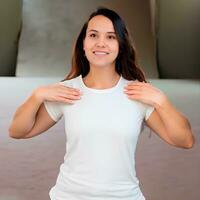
(97, 31)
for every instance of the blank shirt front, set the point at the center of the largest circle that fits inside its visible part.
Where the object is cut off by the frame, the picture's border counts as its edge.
(102, 130)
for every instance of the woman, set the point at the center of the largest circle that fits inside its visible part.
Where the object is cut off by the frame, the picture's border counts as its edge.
(105, 99)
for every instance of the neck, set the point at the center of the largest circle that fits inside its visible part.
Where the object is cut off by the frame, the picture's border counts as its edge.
(101, 80)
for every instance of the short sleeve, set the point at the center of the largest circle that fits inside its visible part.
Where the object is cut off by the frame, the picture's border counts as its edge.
(54, 109)
(149, 110)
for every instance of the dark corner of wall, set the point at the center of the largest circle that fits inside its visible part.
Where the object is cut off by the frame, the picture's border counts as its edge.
(10, 31)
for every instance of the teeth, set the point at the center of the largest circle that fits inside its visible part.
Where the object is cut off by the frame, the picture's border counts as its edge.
(101, 53)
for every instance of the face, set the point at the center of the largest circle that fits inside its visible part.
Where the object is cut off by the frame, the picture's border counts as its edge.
(100, 44)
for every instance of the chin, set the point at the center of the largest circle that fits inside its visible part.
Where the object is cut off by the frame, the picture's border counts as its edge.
(101, 64)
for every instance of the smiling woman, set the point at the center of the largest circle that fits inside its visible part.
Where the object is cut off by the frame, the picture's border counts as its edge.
(102, 120)
(105, 43)
(100, 44)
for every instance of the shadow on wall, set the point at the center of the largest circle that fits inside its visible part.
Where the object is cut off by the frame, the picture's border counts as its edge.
(178, 31)
(10, 28)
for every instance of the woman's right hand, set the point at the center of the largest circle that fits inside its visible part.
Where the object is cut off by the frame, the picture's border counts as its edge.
(57, 92)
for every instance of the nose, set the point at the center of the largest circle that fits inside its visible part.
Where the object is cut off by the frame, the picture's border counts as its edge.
(101, 42)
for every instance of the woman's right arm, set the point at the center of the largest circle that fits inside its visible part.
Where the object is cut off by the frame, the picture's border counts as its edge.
(31, 118)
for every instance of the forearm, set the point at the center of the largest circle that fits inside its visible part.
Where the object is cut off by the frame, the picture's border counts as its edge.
(176, 124)
(24, 117)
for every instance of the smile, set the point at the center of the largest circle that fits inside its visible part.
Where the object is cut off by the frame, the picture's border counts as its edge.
(100, 53)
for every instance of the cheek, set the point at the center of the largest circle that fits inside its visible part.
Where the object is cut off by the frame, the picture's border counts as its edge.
(115, 48)
(87, 44)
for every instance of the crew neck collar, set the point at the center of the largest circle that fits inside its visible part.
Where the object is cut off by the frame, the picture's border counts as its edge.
(107, 90)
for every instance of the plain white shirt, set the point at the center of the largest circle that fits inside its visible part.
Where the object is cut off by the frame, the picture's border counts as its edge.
(102, 130)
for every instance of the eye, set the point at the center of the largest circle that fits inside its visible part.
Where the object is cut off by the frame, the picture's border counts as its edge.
(92, 35)
(111, 37)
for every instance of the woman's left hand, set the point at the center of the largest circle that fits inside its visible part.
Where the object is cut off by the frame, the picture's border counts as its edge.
(145, 93)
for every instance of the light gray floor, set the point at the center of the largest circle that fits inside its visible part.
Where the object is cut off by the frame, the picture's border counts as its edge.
(28, 168)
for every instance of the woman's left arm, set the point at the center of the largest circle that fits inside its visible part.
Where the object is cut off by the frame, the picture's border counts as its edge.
(166, 120)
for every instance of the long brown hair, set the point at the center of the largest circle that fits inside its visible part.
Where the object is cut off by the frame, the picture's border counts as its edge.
(126, 63)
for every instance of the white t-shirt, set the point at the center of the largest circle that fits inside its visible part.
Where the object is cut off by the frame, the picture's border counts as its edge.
(102, 130)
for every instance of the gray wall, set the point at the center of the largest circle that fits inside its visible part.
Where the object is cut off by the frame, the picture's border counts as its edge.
(10, 22)
(50, 28)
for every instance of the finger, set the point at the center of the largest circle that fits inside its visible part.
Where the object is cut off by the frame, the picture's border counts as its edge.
(133, 85)
(133, 92)
(76, 91)
(69, 91)
(69, 88)
(64, 100)
(72, 89)
(141, 84)
(134, 96)
(73, 92)
(70, 96)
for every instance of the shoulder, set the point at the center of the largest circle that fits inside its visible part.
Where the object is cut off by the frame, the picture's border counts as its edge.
(142, 106)
(70, 82)
(126, 81)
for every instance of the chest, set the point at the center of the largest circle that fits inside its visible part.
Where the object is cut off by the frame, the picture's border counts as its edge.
(103, 115)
